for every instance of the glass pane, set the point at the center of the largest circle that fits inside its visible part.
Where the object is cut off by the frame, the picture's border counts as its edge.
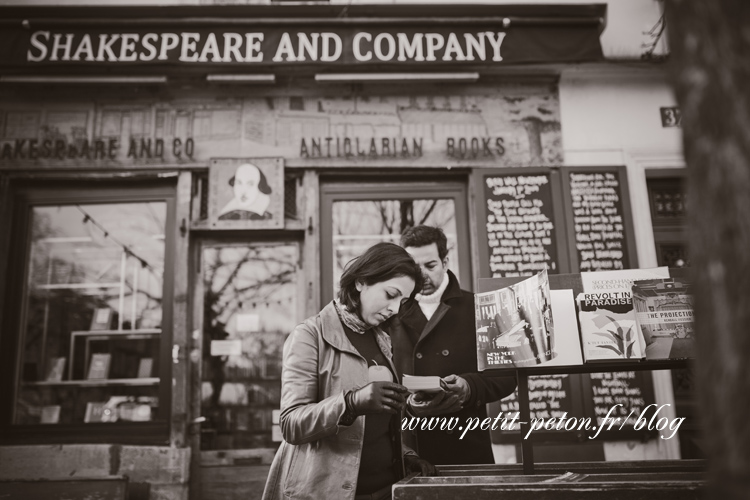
(90, 349)
(357, 225)
(250, 306)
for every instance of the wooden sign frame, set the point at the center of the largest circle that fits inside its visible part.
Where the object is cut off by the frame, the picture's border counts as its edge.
(246, 193)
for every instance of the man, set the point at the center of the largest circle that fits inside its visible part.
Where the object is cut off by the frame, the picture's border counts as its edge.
(434, 334)
(251, 198)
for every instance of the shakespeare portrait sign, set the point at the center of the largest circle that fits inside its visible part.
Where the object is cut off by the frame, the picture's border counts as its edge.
(246, 193)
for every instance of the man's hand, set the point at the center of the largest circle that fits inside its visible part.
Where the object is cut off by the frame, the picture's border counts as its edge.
(413, 463)
(443, 402)
(458, 386)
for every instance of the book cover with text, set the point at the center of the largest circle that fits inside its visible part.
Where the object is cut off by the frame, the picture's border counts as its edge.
(606, 314)
(664, 315)
(514, 325)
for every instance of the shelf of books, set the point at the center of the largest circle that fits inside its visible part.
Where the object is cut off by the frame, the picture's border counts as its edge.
(610, 325)
(108, 376)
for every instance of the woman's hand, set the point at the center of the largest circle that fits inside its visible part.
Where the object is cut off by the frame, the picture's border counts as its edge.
(413, 463)
(379, 397)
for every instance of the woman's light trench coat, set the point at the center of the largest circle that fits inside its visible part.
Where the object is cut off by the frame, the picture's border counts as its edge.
(319, 459)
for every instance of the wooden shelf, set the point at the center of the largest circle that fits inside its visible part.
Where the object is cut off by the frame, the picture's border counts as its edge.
(595, 367)
(104, 335)
(133, 382)
(116, 333)
(77, 286)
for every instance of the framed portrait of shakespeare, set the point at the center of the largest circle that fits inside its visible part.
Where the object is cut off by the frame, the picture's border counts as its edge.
(246, 193)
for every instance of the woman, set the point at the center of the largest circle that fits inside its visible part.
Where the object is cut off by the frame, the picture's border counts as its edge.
(339, 413)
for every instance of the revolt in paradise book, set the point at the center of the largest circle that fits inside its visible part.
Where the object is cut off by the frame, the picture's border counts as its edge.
(606, 315)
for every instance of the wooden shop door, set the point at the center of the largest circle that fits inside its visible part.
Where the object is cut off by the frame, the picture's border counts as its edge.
(251, 300)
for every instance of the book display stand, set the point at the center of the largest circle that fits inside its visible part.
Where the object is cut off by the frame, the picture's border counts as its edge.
(666, 479)
(522, 374)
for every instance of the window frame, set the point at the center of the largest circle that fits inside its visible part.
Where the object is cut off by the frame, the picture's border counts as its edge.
(332, 191)
(25, 195)
(666, 231)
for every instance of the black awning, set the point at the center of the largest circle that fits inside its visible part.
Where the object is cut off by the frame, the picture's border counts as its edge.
(316, 37)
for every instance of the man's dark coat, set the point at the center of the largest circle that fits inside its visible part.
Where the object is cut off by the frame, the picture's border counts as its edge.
(445, 345)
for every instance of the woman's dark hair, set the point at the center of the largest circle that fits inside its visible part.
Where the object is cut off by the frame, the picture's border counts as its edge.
(380, 262)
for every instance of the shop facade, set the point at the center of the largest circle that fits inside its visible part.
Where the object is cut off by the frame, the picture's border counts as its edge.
(145, 302)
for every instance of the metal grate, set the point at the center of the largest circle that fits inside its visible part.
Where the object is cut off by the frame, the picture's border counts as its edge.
(672, 255)
(201, 179)
(668, 201)
(290, 197)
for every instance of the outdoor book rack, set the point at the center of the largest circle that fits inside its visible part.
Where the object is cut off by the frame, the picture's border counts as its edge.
(522, 374)
(522, 378)
(561, 481)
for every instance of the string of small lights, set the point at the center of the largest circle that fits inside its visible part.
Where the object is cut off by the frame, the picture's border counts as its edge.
(88, 219)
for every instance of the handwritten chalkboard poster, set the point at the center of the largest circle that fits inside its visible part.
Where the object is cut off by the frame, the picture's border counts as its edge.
(550, 396)
(518, 220)
(588, 395)
(598, 220)
(626, 393)
(568, 219)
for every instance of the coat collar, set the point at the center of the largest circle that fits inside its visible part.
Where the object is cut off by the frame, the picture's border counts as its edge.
(332, 331)
(454, 288)
(414, 318)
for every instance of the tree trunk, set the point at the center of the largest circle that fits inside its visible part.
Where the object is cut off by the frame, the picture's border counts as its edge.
(710, 43)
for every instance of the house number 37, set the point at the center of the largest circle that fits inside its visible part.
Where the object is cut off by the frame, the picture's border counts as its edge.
(670, 117)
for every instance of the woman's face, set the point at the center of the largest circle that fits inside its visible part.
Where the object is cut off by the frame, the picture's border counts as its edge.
(380, 301)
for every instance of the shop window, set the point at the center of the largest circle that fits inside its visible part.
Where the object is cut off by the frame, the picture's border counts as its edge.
(358, 225)
(250, 304)
(91, 341)
(668, 203)
(355, 217)
(667, 200)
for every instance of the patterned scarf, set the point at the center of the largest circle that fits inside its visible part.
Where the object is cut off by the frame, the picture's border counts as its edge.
(355, 323)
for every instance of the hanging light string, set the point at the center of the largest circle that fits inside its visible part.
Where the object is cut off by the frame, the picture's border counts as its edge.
(88, 219)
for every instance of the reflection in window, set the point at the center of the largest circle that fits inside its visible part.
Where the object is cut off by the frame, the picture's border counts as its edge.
(250, 306)
(93, 314)
(357, 225)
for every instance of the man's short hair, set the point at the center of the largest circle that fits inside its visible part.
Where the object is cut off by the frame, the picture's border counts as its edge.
(421, 236)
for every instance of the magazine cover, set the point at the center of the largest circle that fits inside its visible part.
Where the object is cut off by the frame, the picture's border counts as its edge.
(514, 325)
(606, 314)
(567, 339)
(664, 314)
